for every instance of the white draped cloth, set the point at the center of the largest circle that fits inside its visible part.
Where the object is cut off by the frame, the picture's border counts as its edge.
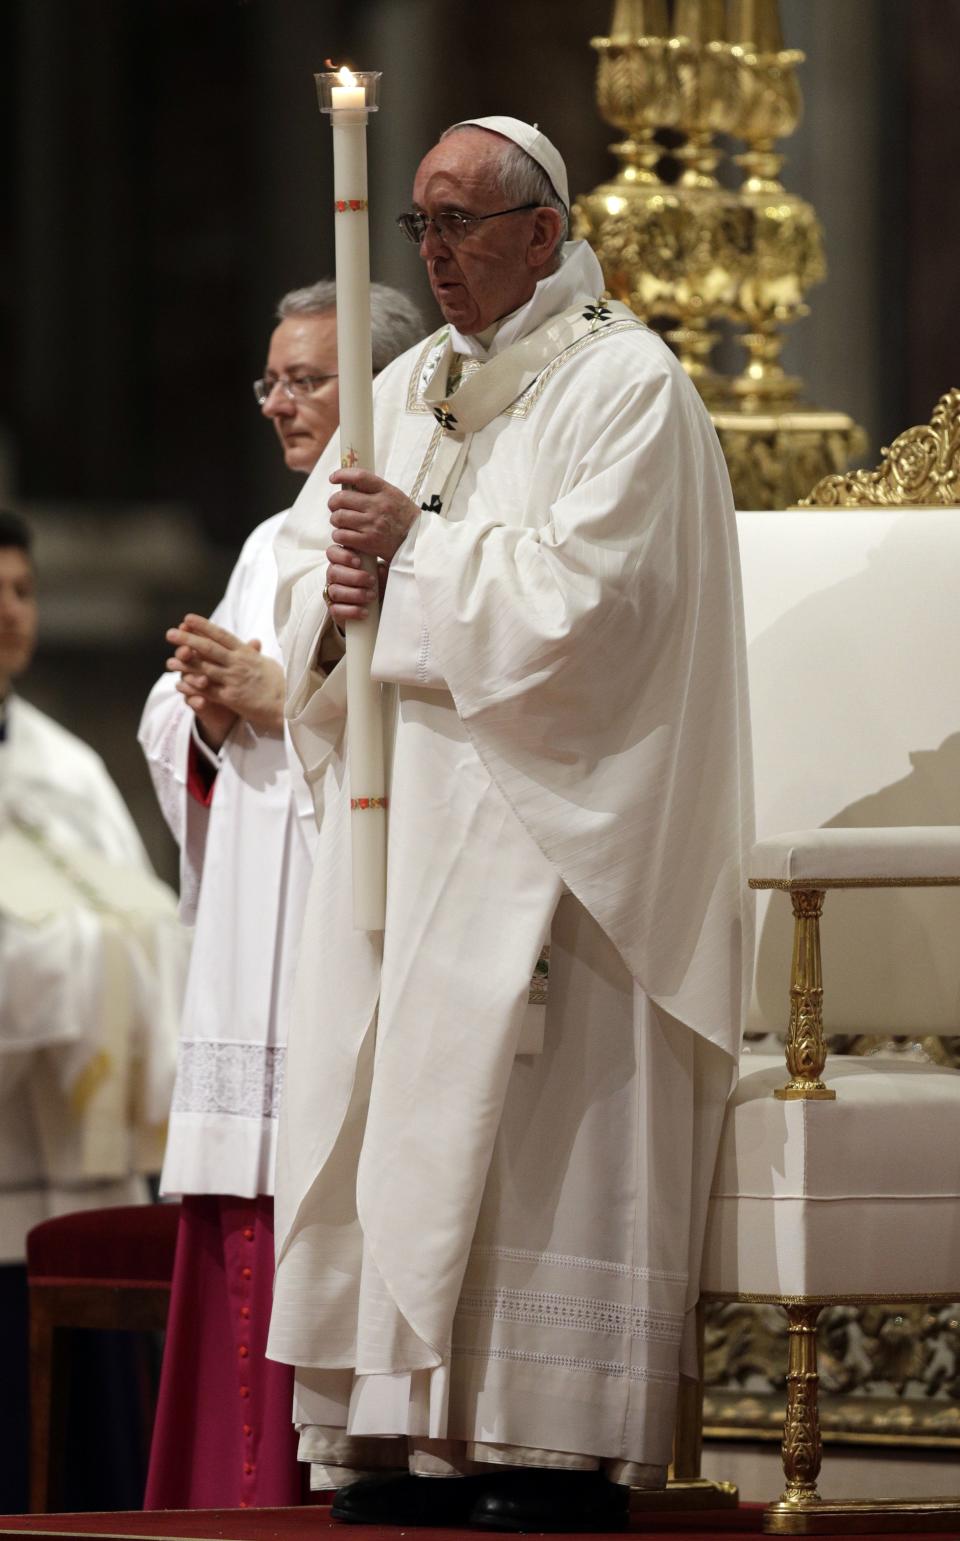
(92, 962)
(475, 1245)
(245, 863)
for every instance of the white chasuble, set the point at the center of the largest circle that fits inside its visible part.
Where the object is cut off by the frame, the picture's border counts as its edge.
(476, 1243)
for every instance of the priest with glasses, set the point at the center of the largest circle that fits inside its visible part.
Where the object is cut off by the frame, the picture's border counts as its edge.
(502, 1113)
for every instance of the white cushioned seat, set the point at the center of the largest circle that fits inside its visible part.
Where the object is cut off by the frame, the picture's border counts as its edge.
(834, 858)
(855, 1197)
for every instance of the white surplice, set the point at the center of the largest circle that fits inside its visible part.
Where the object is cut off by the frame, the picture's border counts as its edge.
(92, 959)
(476, 1245)
(245, 863)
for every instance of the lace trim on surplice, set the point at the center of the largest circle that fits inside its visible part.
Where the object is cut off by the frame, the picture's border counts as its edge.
(524, 1323)
(243, 1080)
(577, 1313)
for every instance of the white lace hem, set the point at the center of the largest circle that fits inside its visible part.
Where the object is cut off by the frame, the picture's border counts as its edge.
(243, 1080)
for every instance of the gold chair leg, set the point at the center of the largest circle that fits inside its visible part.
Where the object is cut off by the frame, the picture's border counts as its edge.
(802, 1446)
(800, 1511)
(806, 1046)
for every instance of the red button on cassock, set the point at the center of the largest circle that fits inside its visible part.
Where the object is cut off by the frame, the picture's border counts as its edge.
(247, 1430)
(243, 1351)
(248, 1233)
(248, 1469)
(245, 1313)
(244, 1391)
(246, 1273)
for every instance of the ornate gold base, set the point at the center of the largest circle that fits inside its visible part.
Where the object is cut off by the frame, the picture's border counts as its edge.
(907, 1425)
(683, 1493)
(850, 1516)
(774, 458)
(813, 1091)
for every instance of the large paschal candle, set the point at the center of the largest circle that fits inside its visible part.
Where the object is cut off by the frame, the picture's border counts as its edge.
(348, 98)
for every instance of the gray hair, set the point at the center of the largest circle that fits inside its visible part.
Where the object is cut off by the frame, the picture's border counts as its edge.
(522, 180)
(395, 322)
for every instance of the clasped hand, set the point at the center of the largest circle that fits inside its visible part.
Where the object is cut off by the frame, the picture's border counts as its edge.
(223, 678)
(370, 518)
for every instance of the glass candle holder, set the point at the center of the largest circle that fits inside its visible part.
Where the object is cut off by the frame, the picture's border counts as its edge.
(348, 90)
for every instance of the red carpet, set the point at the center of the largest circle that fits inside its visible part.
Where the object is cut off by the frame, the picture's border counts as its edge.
(299, 1524)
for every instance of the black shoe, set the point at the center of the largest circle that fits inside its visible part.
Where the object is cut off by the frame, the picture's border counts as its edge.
(538, 1499)
(405, 1500)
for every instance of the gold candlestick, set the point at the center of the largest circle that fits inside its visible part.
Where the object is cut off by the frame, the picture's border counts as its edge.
(786, 242)
(689, 254)
(756, 24)
(707, 73)
(670, 252)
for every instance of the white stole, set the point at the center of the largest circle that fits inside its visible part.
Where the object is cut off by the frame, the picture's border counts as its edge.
(487, 389)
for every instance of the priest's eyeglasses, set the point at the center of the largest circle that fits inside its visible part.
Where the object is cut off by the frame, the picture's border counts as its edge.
(450, 225)
(297, 389)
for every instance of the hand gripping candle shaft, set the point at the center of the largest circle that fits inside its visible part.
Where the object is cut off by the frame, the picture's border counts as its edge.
(348, 102)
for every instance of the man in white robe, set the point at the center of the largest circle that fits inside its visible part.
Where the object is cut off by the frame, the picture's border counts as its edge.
(92, 959)
(212, 731)
(64, 831)
(488, 1247)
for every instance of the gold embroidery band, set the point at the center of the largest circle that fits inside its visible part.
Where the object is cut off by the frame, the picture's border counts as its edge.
(350, 205)
(788, 885)
(361, 804)
(427, 463)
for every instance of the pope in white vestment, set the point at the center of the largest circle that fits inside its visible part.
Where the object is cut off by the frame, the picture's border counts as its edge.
(488, 1246)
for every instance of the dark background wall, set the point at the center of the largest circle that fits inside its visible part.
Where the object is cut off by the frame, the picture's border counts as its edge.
(166, 175)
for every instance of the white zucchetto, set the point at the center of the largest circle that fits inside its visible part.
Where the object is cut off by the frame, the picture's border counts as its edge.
(536, 144)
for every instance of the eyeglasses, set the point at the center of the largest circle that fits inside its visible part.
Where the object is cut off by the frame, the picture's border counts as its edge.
(295, 390)
(450, 226)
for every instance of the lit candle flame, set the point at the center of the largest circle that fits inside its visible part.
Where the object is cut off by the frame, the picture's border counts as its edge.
(345, 74)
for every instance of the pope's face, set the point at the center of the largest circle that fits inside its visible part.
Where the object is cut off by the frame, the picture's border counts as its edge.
(303, 348)
(18, 613)
(498, 263)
